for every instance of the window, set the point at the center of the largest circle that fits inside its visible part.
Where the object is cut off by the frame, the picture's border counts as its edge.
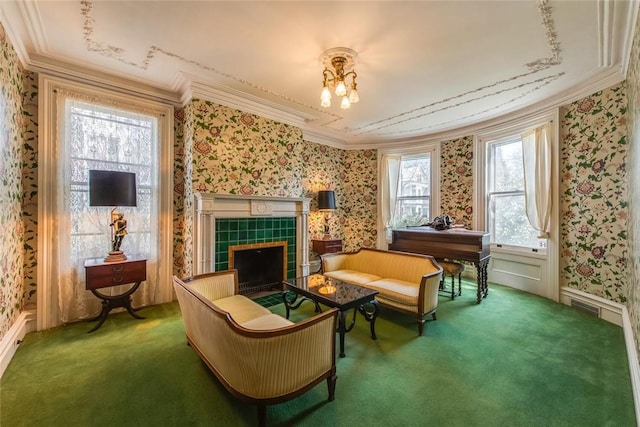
(506, 216)
(87, 128)
(109, 139)
(414, 191)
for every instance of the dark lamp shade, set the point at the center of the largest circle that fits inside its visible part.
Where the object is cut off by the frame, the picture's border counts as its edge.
(112, 188)
(326, 200)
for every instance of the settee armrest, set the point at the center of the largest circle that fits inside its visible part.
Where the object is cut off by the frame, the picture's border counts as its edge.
(334, 261)
(213, 286)
(285, 360)
(428, 293)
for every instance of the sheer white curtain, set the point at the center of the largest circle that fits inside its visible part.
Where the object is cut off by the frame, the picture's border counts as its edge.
(536, 156)
(92, 135)
(389, 190)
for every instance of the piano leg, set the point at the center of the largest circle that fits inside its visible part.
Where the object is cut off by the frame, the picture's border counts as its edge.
(483, 287)
(485, 281)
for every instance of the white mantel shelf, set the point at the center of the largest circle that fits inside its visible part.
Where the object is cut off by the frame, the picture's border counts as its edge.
(208, 207)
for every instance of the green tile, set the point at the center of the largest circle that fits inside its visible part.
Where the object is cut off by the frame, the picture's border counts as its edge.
(243, 224)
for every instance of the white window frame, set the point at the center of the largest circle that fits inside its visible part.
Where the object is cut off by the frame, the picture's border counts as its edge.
(414, 196)
(504, 130)
(431, 148)
(48, 314)
(490, 148)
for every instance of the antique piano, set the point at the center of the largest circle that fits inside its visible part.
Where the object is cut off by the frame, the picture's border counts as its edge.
(456, 244)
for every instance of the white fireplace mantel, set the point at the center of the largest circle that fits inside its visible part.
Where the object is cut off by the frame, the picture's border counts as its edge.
(208, 207)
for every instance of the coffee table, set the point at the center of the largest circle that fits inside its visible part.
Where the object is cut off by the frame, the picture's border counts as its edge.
(332, 293)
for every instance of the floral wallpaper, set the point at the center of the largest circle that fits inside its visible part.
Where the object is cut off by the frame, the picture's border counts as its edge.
(633, 162)
(324, 170)
(360, 199)
(30, 186)
(182, 194)
(456, 180)
(240, 153)
(594, 204)
(226, 151)
(11, 142)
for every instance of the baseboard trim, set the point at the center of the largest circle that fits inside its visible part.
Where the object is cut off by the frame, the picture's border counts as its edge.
(634, 363)
(609, 310)
(25, 323)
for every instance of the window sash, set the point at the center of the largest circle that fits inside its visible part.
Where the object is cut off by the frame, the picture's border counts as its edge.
(517, 231)
(422, 201)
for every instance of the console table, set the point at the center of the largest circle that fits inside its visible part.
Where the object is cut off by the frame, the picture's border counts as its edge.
(101, 274)
(326, 246)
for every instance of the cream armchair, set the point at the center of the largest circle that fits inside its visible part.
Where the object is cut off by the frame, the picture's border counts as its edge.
(259, 357)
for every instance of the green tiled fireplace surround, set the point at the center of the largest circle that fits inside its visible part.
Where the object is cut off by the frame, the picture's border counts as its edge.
(243, 231)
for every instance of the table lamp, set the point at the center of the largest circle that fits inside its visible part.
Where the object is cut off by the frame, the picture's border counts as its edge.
(326, 203)
(113, 188)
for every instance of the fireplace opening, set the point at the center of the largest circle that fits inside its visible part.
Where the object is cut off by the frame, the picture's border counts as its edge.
(261, 266)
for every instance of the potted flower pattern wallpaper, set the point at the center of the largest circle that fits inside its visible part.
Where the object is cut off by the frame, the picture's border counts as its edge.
(223, 150)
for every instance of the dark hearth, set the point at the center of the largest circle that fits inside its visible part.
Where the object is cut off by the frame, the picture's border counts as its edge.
(259, 268)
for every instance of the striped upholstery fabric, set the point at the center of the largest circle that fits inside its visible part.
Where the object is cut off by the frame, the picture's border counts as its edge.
(256, 361)
(352, 276)
(241, 308)
(406, 282)
(397, 290)
(214, 287)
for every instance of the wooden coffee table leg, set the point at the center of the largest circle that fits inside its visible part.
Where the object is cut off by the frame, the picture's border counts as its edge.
(342, 329)
(370, 316)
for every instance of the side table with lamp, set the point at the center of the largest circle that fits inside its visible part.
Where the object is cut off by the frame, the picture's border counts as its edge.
(113, 188)
(326, 244)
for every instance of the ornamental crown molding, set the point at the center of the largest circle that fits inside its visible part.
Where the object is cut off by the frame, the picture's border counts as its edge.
(223, 95)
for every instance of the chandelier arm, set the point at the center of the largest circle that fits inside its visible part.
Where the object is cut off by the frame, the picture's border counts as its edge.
(326, 79)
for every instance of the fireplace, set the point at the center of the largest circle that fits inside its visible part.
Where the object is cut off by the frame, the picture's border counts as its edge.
(261, 266)
(223, 221)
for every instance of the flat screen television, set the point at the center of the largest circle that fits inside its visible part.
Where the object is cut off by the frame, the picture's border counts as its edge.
(112, 188)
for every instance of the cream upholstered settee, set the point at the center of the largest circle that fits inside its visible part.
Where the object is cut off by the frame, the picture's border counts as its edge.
(405, 282)
(258, 356)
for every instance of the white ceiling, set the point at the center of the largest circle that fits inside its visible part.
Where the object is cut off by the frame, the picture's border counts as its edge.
(424, 68)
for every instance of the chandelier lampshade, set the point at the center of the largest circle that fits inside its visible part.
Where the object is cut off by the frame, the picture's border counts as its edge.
(338, 68)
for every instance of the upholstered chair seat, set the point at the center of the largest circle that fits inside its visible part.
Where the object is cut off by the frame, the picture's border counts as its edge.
(451, 269)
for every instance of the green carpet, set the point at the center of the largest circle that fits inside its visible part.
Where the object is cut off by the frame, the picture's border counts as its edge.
(514, 360)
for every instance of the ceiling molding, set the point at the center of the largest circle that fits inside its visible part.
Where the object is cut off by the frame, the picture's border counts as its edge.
(627, 29)
(605, 39)
(599, 81)
(313, 135)
(242, 101)
(11, 31)
(616, 23)
(31, 15)
(79, 73)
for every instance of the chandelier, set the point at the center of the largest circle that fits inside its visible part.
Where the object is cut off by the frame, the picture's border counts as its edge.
(338, 66)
